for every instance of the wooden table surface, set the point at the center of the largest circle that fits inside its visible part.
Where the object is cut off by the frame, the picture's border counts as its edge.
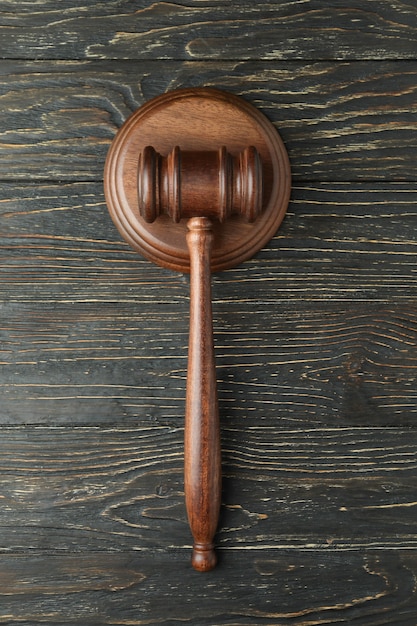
(315, 337)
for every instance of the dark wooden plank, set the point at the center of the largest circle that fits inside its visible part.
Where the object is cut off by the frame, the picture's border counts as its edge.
(94, 363)
(142, 29)
(319, 328)
(344, 121)
(347, 242)
(284, 587)
(114, 489)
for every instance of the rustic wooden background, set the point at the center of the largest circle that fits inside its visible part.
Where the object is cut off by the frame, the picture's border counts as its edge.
(315, 337)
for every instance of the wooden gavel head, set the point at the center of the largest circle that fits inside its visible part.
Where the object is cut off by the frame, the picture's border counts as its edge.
(212, 184)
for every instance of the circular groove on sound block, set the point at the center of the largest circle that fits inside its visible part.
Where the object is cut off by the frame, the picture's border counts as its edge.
(196, 119)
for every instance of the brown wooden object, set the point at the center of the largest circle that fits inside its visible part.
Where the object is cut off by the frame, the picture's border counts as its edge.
(197, 180)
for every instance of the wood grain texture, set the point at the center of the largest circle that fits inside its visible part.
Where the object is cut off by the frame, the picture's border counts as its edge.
(340, 122)
(319, 328)
(80, 490)
(372, 588)
(142, 29)
(315, 338)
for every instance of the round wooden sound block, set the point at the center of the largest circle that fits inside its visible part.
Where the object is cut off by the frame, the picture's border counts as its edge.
(199, 120)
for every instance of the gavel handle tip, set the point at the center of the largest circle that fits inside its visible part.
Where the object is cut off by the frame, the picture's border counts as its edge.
(204, 557)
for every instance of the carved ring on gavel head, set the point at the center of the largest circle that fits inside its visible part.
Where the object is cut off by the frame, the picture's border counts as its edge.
(198, 180)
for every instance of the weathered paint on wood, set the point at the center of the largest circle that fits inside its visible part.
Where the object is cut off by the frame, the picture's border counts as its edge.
(340, 121)
(262, 588)
(117, 489)
(319, 328)
(315, 337)
(194, 29)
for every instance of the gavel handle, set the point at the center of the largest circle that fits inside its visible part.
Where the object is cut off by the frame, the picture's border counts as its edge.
(202, 455)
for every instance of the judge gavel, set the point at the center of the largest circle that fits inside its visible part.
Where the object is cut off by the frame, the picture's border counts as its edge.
(201, 187)
(197, 208)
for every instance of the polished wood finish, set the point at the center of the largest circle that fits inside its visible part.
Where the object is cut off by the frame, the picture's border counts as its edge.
(203, 186)
(202, 457)
(196, 189)
(198, 121)
(215, 184)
